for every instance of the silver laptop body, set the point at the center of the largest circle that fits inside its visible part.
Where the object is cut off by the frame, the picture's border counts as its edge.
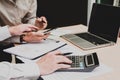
(102, 31)
(85, 44)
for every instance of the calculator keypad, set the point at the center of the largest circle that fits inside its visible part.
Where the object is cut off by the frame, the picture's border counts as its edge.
(77, 61)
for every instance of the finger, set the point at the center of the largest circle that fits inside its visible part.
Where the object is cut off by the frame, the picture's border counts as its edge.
(39, 19)
(63, 59)
(46, 36)
(55, 52)
(38, 34)
(33, 27)
(46, 33)
(38, 39)
(29, 25)
(60, 66)
(44, 19)
(44, 24)
(29, 28)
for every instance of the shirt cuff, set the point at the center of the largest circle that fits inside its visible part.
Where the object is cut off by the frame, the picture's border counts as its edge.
(4, 33)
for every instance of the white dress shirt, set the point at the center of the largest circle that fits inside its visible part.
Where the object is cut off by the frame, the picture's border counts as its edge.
(14, 12)
(9, 71)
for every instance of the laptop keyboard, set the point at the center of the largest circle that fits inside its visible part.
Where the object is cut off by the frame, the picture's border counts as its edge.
(91, 38)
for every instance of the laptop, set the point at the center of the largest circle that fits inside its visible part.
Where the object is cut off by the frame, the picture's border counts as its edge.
(103, 28)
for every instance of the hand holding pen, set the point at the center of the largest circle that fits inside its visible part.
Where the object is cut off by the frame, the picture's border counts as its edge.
(41, 22)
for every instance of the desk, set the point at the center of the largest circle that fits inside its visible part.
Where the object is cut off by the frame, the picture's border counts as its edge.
(109, 56)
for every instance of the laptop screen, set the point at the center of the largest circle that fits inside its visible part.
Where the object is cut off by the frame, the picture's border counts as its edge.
(105, 21)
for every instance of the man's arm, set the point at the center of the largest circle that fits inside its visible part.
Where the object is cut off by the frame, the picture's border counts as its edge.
(47, 64)
(12, 34)
(10, 71)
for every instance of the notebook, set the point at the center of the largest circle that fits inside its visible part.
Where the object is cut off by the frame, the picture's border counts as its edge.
(103, 28)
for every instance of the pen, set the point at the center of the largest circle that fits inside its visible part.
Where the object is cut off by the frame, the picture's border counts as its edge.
(49, 51)
(49, 30)
(68, 53)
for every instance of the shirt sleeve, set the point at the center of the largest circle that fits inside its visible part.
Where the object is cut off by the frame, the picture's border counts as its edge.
(9, 71)
(31, 15)
(4, 33)
(6, 36)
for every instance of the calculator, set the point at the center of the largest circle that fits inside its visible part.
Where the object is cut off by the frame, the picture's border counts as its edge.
(85, 63)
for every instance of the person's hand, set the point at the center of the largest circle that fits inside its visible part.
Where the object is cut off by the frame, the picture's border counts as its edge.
(20, 29)
(41, 23)
(52, 62)
(35, 37)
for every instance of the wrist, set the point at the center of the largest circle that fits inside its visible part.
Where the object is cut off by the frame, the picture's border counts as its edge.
(11, 30)
(22, 38)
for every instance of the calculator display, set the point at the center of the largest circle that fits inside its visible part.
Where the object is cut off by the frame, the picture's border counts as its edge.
(89, 60)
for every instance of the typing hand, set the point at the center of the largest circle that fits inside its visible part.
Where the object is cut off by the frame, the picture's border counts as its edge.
(52, 62)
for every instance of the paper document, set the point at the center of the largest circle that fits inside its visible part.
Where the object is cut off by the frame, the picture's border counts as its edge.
(102, 69)
(32, 50)
(65, 49)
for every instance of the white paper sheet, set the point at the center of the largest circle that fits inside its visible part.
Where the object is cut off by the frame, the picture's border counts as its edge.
(102, 69)
(64, 49)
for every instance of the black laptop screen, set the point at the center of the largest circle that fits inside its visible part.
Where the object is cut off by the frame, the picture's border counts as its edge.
(105, 21)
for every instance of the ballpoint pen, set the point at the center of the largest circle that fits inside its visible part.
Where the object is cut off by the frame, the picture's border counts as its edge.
(68, 53)
(49, 30)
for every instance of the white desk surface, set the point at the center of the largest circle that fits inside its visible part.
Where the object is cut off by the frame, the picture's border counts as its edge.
(109, 56)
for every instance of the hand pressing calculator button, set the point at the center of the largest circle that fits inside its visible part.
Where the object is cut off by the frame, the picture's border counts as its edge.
(85, 63)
